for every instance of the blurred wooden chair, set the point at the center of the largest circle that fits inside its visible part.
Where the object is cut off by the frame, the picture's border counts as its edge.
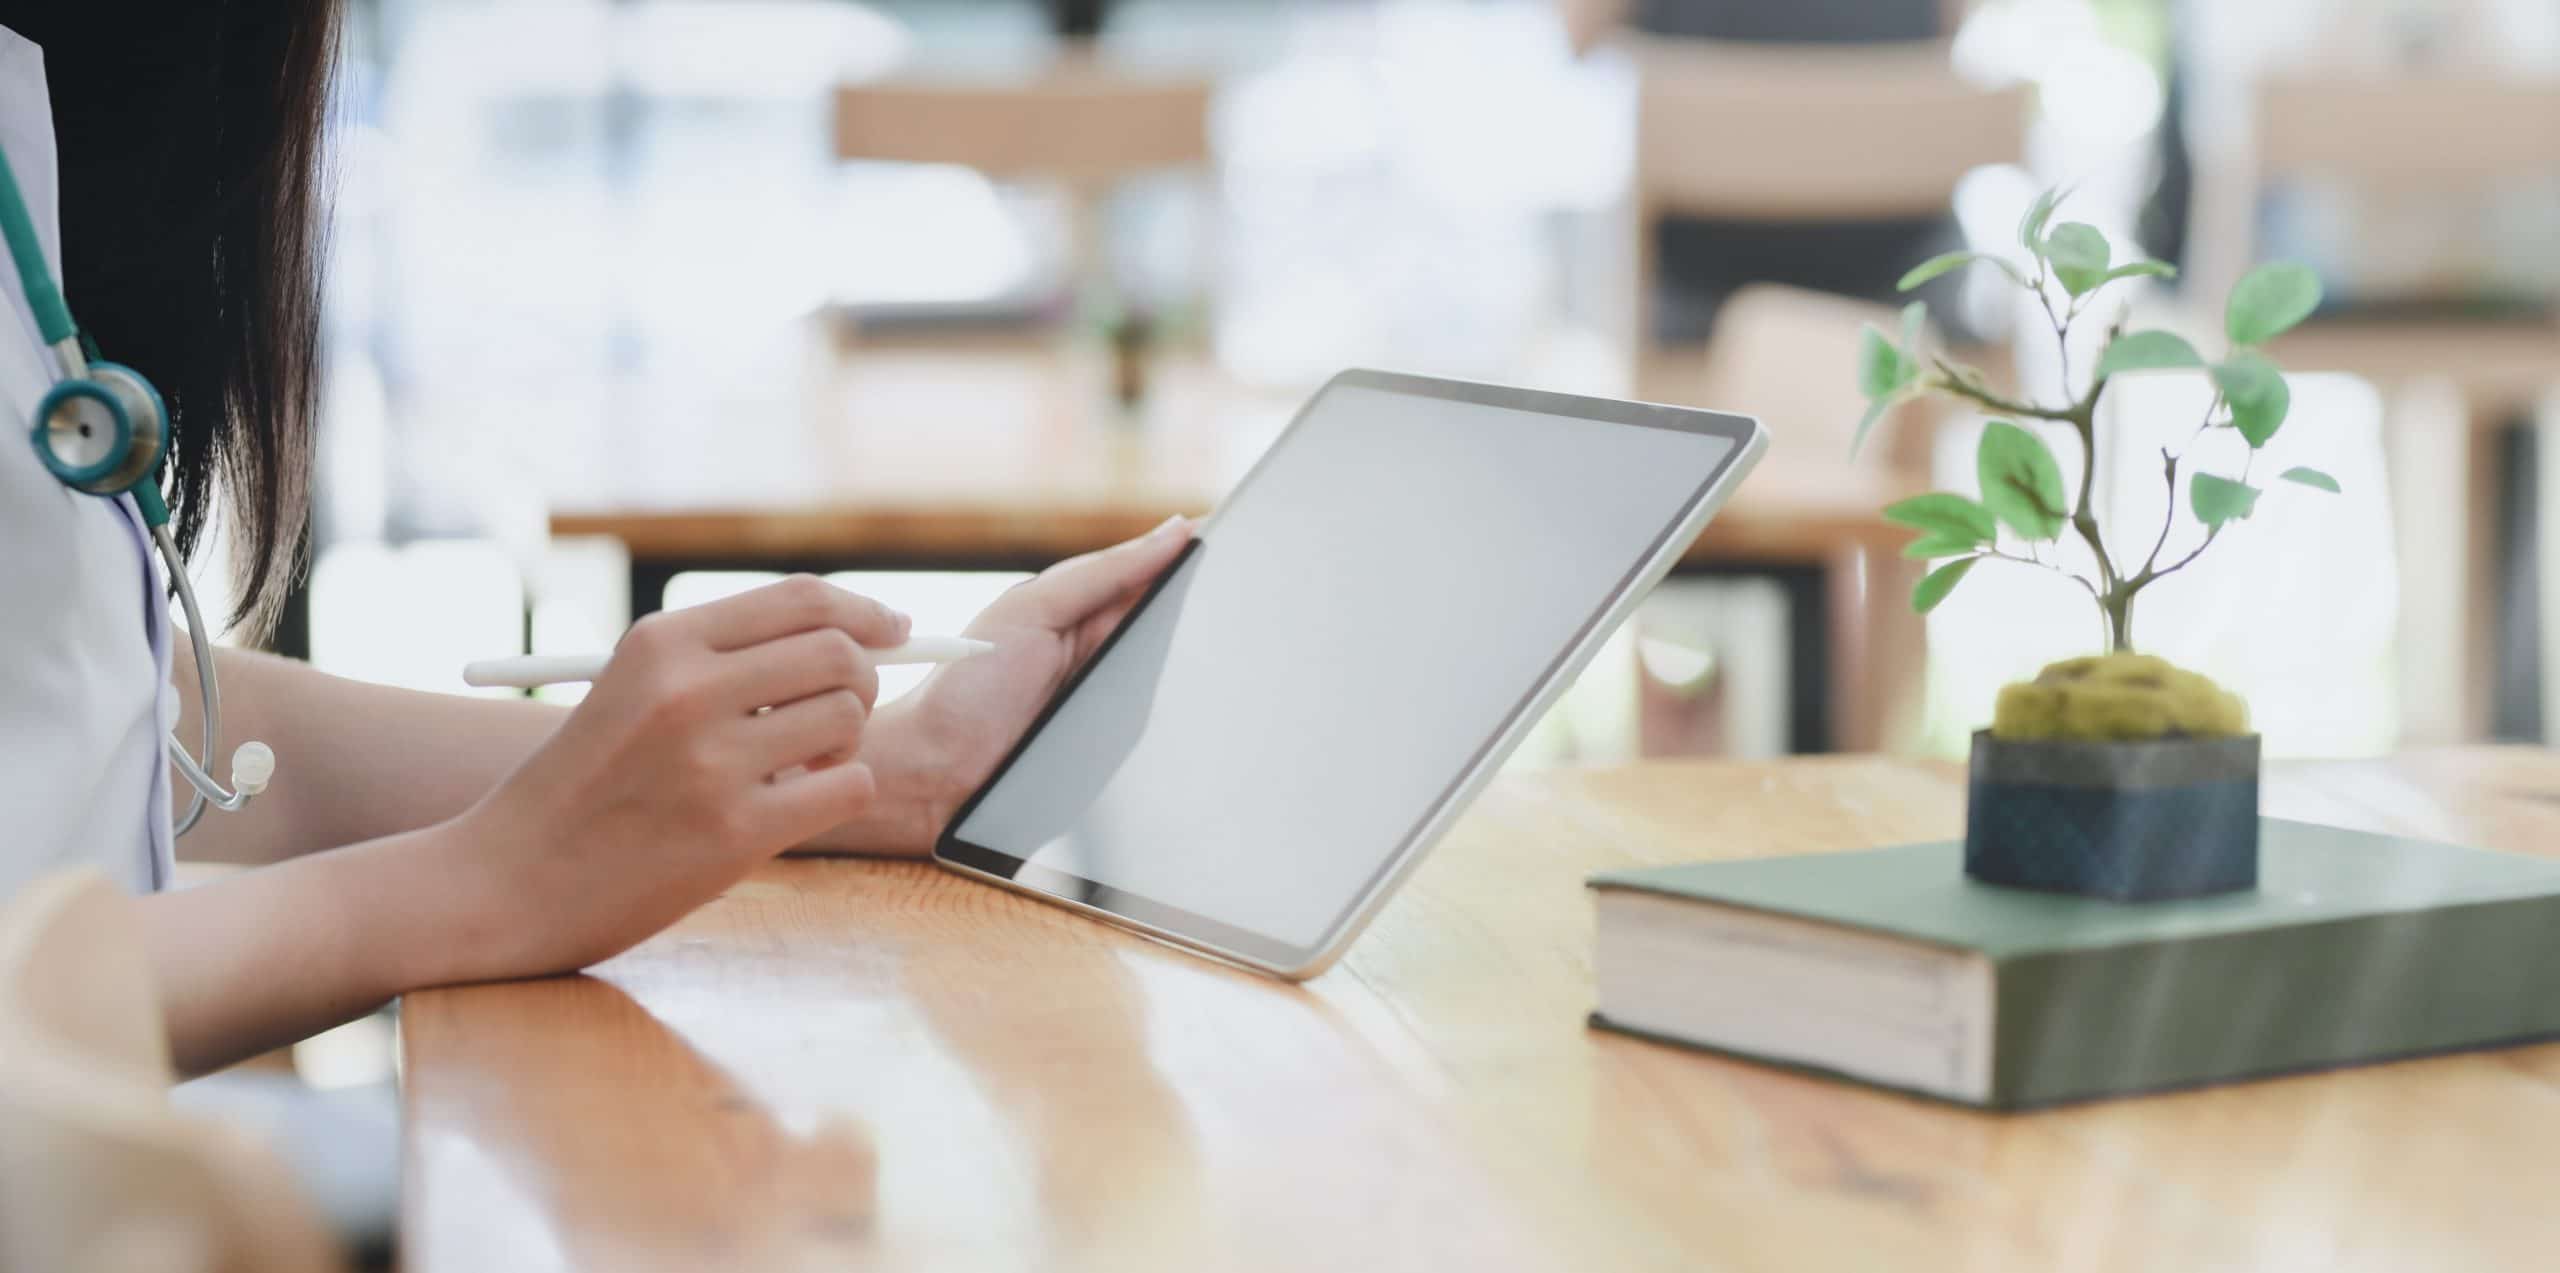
(1079, 125)
(1789, 356)
(97, 1173)
(2461, 133)
(1805, 133)
(1769, 132)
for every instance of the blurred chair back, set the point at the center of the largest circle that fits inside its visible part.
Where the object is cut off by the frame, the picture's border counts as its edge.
(2464, 131)
(1790, 357)
(1812, 132)
(1078, 124)
(1776, 132)
(96, 1172)
(2395, 132)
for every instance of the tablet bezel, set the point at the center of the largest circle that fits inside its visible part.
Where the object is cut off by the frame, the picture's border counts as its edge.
(1221, 940)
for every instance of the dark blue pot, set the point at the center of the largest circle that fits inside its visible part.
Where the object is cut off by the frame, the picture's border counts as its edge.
(2130, 822)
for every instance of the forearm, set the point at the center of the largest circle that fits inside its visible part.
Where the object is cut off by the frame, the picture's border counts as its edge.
(354, 761)
(261, 958)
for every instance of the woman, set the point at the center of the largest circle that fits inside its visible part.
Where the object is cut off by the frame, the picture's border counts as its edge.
(410, 839)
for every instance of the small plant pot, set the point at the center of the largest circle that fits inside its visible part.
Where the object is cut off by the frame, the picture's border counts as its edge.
(2130, 822)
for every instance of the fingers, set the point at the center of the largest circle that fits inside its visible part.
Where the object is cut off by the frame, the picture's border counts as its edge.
(1089, 635)
(809, 732)
(801, 603)
(791, 810)
(1066, 594)
(796, 667)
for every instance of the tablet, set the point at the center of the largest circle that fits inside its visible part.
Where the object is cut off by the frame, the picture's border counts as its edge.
(1347, 650)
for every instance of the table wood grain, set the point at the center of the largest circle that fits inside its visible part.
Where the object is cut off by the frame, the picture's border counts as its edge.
(847, 1064)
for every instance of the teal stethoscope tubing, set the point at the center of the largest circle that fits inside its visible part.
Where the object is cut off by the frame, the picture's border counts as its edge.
(54, 324)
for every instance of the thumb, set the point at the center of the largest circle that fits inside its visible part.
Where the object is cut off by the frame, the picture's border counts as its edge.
(1066, 594)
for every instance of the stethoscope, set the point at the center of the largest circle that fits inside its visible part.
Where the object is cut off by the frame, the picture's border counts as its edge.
(103, 429)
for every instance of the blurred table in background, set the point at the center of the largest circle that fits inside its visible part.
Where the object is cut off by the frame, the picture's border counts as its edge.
(999, 456)
(578, 240)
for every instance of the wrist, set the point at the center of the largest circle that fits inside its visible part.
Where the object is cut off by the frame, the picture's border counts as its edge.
(916, 796)
(436, 916)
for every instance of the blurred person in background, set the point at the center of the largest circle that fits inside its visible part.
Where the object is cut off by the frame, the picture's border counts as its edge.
(169, 159)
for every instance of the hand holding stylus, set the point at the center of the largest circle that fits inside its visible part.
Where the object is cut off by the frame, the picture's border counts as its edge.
(718, 736)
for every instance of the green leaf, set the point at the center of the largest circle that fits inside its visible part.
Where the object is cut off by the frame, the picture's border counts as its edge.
(1951, 261)
(1885, 373)
(2150, 269)
(2259, 418)
(2246, 376)
(2031, 226)
(2219, 499)
(1928, 546)
(1934, 586)
(2313, 478)
(2257, 393)
(2079, 256)
(2146, 351)
(1943, 514)
(1944, 262)
(1867, 422)
(1879, 364)
(2021, 484)
(2268, 301)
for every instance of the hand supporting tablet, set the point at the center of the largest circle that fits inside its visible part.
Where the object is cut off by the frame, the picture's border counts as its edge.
(1245, 769)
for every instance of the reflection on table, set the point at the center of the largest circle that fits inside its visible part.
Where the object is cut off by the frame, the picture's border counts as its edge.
(880, 1065)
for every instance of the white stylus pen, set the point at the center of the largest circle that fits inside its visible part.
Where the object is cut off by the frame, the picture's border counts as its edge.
(526, 671)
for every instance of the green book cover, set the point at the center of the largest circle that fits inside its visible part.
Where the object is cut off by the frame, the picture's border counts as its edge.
(2354, 947)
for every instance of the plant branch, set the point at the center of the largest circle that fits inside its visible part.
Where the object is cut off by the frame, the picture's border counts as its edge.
(2168, 516)
(2084, 517)
(2081, 580)
(1952, 379)
(2104, 618)
(2081, 415)
(2181, 564)
(2061, 330)
(2205, 425)
(2169, 474)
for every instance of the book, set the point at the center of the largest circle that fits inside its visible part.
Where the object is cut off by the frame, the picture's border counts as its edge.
(1891, 967)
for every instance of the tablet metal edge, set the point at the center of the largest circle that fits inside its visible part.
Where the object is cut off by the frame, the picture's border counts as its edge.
(1461, 795)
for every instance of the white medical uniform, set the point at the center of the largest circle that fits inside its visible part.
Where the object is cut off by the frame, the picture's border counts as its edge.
(85, 695)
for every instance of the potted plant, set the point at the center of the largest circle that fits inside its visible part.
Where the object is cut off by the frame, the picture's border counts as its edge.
(2116, 775)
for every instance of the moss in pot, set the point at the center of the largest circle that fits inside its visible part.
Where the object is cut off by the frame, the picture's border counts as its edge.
(2116, 775)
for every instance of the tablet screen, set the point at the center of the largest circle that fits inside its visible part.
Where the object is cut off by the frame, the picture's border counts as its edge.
(1334, 654)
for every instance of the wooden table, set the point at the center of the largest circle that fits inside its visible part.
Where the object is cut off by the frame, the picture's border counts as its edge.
(875, 1065)
(1007, 456)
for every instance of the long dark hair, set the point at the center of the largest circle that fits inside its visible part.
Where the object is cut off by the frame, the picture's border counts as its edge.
(188, 135)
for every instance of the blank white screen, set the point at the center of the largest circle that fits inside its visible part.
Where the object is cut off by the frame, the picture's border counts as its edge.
(1352, 630)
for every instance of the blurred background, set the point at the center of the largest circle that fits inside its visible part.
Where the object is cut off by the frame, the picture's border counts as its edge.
(634, 302)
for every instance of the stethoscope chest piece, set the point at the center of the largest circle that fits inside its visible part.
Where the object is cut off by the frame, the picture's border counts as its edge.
(104, 432)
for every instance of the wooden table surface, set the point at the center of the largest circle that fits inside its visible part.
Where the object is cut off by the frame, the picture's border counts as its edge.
(875, 1065)
(1001, 451)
